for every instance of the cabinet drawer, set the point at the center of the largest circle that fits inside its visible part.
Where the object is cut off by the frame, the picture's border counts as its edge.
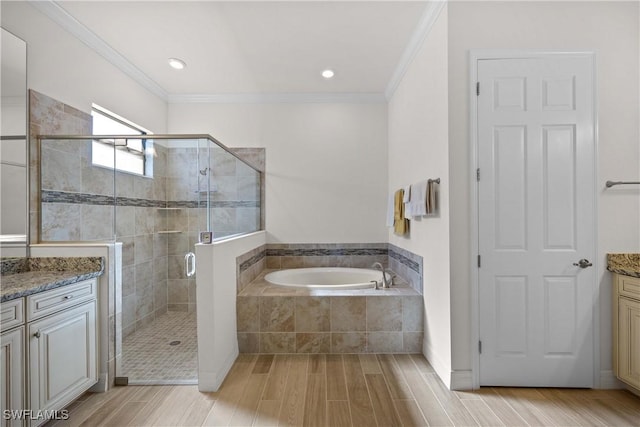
(629, 286)
(48, 302)
(12, 313)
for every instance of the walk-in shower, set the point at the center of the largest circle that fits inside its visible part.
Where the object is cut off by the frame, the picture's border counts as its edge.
(186, 184)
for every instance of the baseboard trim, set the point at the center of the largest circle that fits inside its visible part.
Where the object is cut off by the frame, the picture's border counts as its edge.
(442, 370)
(211, 381)
(101, 385)
(461, 380)
(608, 380)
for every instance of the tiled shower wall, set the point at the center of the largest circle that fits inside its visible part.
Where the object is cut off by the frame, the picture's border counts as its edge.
(157, 219)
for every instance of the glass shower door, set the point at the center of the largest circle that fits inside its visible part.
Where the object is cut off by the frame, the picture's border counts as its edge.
(161, 347)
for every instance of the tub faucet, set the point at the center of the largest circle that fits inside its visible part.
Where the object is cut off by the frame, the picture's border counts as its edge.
(385, 283)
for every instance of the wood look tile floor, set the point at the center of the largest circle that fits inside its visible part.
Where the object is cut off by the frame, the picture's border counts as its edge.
(348, 390)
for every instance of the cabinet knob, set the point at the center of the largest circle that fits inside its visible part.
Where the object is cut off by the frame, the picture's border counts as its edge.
(37, 334)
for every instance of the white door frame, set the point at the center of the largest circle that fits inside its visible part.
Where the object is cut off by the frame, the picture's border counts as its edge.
(481, 54)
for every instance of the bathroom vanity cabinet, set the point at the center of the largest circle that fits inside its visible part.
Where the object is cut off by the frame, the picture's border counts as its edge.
(54, 348)
(626, 329)
(12, 358)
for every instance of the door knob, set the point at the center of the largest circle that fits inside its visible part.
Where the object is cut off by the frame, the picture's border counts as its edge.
(583, 263)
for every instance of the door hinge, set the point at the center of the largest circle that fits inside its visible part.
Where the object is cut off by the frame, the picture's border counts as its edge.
(479, 262)
(477, 88)
(480, 347)
(478, 174)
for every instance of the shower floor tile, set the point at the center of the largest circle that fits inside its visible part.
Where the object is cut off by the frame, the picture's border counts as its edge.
(151, 356)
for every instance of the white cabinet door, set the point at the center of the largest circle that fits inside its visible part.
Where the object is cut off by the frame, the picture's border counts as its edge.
(62, 357)
(629, 341)
(12, 374)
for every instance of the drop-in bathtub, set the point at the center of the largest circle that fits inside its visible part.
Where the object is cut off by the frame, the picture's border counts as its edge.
(326, 278)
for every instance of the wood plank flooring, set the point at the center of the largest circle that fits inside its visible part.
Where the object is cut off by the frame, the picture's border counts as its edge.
(348, 390)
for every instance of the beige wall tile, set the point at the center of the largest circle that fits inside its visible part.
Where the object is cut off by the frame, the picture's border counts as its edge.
(384, 313)
(348, 342)
(278, 342)
(277, 314)
(412, 313)
(248, 314)
(312, 314)
(384, 342)
(348, 314)
(313, 342)
(412, 342)
(248, 342)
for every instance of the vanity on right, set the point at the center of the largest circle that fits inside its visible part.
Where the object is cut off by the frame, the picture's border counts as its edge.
(626, 317)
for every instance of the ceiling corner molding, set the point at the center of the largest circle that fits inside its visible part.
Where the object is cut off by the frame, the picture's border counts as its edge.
(427, 20)
(279, 98)
(63, 18)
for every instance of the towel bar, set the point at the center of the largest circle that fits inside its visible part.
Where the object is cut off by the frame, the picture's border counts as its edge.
(610, 184)
(437, 180)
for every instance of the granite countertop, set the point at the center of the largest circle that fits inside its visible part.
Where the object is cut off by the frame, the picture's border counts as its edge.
(26, 276)
(624, 263)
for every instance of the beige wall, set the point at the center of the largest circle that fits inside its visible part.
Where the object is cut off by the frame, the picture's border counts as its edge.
(418, 150)
(326, 167)
(611, 30)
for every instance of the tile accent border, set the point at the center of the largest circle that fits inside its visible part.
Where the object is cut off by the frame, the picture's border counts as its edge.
(249, 266)
(408, 265)
(49, 196)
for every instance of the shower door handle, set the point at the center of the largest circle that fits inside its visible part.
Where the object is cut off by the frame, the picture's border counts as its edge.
(190, 264)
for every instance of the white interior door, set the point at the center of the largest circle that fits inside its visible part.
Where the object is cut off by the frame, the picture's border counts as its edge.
(536, 196)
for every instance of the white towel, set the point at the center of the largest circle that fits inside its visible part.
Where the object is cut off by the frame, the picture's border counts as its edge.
(407, 201)
(390, 211)
(419, 199)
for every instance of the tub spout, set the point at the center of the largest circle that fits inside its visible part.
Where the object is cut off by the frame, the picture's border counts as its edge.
(385, 282)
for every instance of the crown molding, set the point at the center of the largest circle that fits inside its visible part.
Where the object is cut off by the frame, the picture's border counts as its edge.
(63, 18)
(279, 98)
(427, 20)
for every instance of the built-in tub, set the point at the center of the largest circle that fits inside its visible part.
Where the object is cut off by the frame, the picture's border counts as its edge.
(299, 318)
(326, 278)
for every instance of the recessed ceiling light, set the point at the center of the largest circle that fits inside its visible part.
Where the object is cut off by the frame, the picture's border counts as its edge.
(327, 74)
(176, 63)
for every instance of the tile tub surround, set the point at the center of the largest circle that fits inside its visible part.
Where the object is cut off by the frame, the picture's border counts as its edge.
(27, 276)
(407, 265)
(624, 263)
(357, 255)
(272, 319)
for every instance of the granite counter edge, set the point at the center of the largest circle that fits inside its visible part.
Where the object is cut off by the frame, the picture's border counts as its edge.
(51, 285)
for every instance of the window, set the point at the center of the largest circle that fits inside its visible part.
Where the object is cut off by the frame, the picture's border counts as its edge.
(131, 155)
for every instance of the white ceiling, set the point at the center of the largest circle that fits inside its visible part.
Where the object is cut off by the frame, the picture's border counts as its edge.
(257, 47)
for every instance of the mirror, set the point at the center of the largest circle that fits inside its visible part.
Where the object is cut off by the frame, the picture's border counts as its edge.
(13, 147)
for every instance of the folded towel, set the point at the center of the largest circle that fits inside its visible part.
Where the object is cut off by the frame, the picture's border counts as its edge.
(419, 199)
(431, 197)
(406, 199)
(407, 194)
(390, 211)
(400, 223)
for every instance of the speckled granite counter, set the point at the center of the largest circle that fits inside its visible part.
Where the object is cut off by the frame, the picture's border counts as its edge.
(627, 264)
(26, 276)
